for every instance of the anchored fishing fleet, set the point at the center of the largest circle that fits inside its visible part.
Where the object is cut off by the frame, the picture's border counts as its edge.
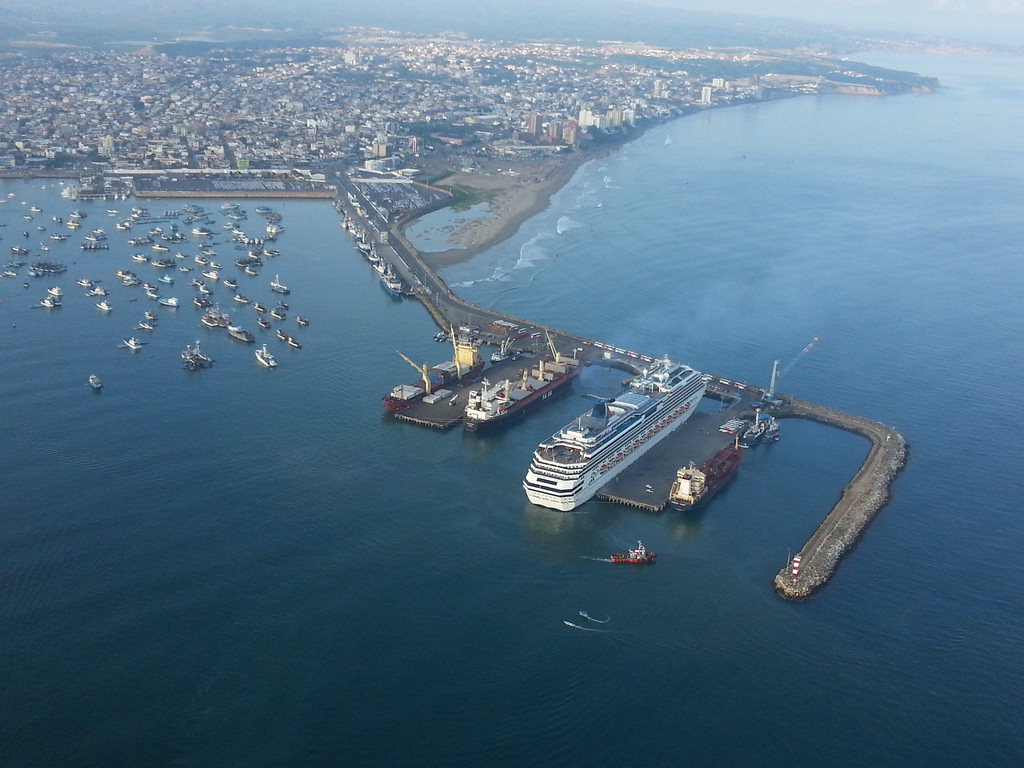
(569, 467)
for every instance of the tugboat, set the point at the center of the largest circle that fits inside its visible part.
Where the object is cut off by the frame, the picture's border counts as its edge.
(638, 556)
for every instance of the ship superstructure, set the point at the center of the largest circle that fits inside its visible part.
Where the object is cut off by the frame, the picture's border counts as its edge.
(569, 467)
(500, 402)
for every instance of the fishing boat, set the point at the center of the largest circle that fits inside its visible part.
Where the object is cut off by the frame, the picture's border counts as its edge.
(169, 301)
(278, 287)
(638, 556)
(278, 314)
(193, 359)
(55, 291)
(132, 343)
(753, 434)
(239, 333)
(301, 320)
(262, 322)
(95, 383)
(240, 298)
(392, 283)
(264, 358)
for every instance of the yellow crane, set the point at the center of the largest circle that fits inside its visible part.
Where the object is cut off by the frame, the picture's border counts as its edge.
(422, 371)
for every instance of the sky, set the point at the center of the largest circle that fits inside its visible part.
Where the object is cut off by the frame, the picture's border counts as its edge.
(995, 20)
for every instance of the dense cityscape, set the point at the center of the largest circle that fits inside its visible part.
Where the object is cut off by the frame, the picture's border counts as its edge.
(381, 100)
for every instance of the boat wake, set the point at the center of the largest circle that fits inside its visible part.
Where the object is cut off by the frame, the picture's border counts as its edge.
(598, 559)
(585, 629)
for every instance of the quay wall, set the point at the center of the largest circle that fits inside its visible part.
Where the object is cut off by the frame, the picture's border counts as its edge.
(866, 493)
(325, 194)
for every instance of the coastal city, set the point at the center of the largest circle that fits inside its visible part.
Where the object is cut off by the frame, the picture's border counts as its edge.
(383, 101)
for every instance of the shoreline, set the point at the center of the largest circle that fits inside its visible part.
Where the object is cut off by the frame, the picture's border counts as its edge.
(515, 202)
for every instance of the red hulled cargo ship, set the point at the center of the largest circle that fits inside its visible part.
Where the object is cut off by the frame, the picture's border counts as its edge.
(465, 363)
(693, 486)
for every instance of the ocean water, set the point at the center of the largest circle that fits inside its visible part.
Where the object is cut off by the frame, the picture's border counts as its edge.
(253, 567)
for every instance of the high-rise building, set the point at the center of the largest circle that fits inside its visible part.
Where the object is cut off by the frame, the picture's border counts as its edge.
(533, 123)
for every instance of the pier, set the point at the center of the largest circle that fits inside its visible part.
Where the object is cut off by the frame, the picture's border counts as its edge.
(646, 484)
(861, 499)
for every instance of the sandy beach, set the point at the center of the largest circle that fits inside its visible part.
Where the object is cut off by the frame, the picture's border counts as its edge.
(522, 189)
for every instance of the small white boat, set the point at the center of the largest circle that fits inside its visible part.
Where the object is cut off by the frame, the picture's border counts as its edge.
(55, 291)
(85, 282)
(264, 358)
(103, 306)
(133, 344)
(95, 383)
(166, 279)
(169, 301)
(97, 290)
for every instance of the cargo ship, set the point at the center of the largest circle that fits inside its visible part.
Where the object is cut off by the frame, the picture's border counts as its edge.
(638, 556)
(465, 363)
(693, 486)
(569, 467)
(496, 404)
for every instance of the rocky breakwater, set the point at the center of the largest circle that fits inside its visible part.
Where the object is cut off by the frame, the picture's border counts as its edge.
(862, 498)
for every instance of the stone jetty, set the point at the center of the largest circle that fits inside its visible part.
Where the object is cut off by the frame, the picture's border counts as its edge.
(861, 500)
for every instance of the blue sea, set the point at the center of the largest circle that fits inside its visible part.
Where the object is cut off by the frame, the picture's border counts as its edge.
(251, 567)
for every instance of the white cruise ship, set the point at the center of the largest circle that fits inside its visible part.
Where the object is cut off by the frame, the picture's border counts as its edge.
(569, 467)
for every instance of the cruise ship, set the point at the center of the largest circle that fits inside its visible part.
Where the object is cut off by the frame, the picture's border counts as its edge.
(569, 467)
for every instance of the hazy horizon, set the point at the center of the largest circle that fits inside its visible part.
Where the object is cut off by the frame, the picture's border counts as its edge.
(989, 21)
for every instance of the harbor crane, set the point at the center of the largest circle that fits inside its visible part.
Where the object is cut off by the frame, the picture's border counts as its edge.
(422, 371)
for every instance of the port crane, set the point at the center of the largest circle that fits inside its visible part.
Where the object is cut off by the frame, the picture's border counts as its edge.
(422, 371)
